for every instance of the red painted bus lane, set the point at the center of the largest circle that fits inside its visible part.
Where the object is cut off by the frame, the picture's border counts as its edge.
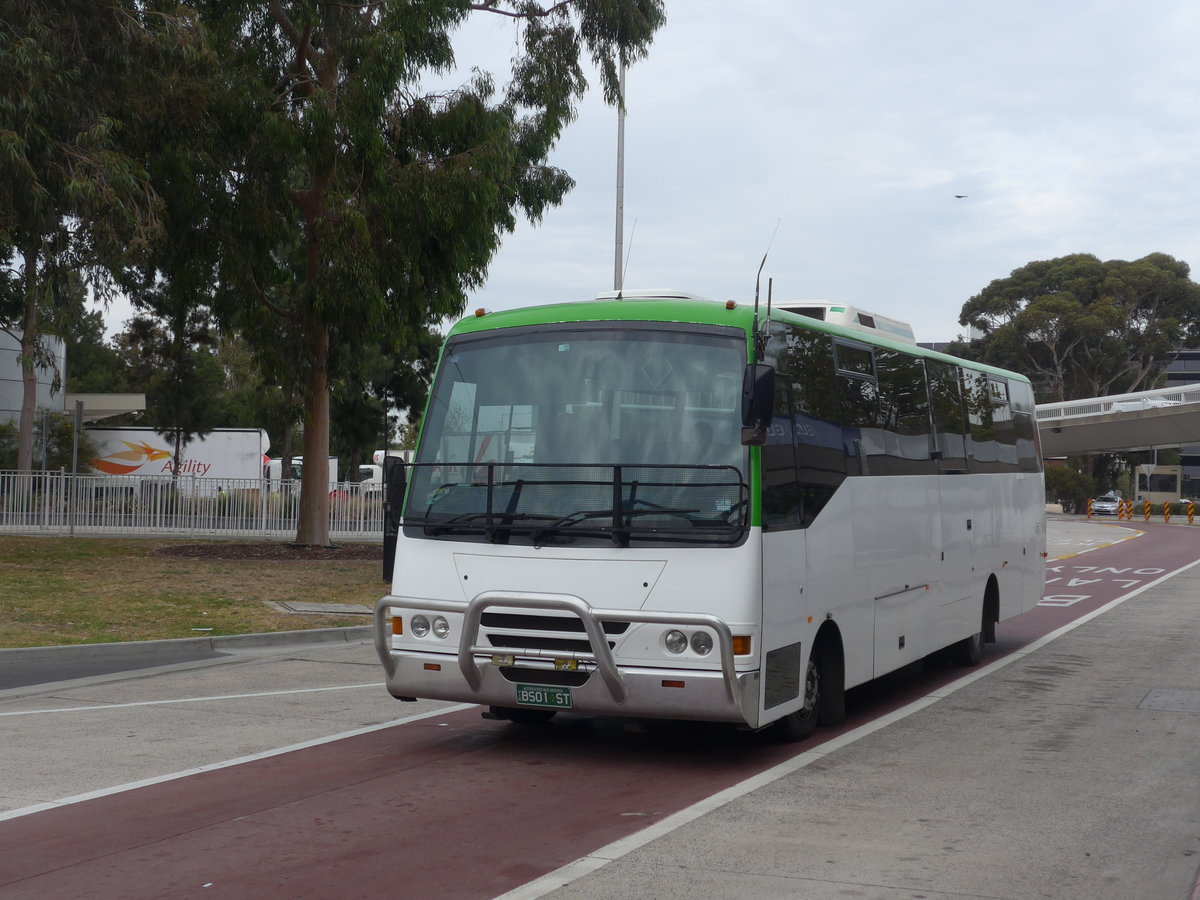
(448, 807)
(456, 806)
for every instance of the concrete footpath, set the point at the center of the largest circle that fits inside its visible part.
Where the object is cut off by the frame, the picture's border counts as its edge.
(1071, 772)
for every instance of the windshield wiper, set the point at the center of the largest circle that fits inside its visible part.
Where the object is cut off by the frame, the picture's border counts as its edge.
(499, 520)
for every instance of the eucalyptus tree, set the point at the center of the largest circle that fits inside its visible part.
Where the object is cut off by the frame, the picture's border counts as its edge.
(385, 381)
(185, 382)
(360, 202)
(1081, 327)
(86, 86)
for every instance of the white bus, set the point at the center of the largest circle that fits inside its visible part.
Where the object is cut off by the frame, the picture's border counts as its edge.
(675, 508)
(851, 317)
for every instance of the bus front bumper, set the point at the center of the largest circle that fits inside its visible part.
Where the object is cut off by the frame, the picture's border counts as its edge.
(472, 675)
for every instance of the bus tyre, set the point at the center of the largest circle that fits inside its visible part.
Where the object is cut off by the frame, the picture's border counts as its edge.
(824, 698)
(969, 651)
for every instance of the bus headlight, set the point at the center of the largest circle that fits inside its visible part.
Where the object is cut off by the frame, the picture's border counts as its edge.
(676, 641)
(702, 643)
(441, 627)
(420, 626)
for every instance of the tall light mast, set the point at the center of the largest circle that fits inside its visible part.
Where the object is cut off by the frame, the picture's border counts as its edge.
(618, 256)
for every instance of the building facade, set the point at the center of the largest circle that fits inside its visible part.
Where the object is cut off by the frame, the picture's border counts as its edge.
(12, 387)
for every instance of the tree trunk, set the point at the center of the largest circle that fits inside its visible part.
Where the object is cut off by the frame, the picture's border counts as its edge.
(29, 346)
(313, 525)
(285, 455)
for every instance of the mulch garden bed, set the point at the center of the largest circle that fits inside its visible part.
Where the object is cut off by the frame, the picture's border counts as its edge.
(264, 550)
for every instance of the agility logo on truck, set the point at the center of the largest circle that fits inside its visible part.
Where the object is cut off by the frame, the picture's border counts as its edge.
(127, 462)
(132, 461)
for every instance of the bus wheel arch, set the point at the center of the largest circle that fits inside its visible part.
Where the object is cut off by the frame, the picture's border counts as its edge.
(828, 647)
(991, 609)
(969, 651)
(824, 686)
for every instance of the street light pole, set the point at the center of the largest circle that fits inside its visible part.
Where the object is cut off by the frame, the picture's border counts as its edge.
(618, 256)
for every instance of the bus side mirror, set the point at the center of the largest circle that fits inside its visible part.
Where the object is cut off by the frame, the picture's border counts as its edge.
(758, 403)
(394, 482)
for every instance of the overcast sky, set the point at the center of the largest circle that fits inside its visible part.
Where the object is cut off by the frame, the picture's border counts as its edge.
(1069, 127)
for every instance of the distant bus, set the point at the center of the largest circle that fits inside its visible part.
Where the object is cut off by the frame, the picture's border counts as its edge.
(669, 507)
(851, 317)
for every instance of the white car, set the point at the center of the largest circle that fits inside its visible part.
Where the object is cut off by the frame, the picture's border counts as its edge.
(1106, 505)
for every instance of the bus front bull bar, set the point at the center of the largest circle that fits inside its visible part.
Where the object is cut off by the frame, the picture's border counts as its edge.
(601, 655)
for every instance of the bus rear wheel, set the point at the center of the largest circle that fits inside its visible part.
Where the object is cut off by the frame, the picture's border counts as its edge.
(969, 651)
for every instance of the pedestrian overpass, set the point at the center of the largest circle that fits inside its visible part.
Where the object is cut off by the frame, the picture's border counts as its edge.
(1148, 420)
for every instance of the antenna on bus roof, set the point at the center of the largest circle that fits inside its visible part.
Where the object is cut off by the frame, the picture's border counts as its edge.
(629, 249)
(759, 347)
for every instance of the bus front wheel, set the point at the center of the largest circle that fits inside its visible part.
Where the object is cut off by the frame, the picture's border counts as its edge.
(824, 697)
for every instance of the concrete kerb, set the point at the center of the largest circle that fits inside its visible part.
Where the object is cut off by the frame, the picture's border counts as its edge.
(175, 649)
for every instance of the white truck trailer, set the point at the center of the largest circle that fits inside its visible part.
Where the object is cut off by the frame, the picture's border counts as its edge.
(225, 453)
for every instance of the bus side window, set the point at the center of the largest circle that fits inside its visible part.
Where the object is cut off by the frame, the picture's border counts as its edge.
(982, 445)
(816, 420)
(858, 387)
(1004, 427)
(949, 422)
(1029, 458)
(780, 491)
(903, 417)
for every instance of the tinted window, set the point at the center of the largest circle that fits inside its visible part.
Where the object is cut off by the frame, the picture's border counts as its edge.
(903, 416)
(854, 359)
(948, 414)
(982, 431)
(1020, 398)
(780, 489)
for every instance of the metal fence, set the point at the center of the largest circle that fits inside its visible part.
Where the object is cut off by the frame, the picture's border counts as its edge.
(59, 503)
(1115, 403)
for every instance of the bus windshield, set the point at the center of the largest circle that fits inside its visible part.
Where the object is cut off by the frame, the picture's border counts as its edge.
(584, 431)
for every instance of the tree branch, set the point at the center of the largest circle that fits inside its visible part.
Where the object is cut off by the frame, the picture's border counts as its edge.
(281, 19)
(302, 40)
(513, 14)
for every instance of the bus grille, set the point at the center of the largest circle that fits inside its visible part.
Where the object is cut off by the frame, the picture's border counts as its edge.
(525, 622)
(517, 642)
(514, 631)
(576, 678)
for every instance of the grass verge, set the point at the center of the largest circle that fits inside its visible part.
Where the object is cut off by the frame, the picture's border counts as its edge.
(96, 590)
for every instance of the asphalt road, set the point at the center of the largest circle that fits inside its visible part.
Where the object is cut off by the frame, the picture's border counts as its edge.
(1066, 767)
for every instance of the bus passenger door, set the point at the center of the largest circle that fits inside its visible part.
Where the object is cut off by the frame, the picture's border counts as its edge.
(784, 565)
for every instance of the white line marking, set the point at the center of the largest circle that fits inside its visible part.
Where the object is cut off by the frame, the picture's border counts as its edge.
(211, 767)
(62, 709)
(572, 871)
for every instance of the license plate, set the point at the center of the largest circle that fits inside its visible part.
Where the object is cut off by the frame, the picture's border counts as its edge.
(543, 695)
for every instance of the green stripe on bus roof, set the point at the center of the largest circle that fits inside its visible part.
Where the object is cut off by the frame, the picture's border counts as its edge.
(696, 312)
(701, 312)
